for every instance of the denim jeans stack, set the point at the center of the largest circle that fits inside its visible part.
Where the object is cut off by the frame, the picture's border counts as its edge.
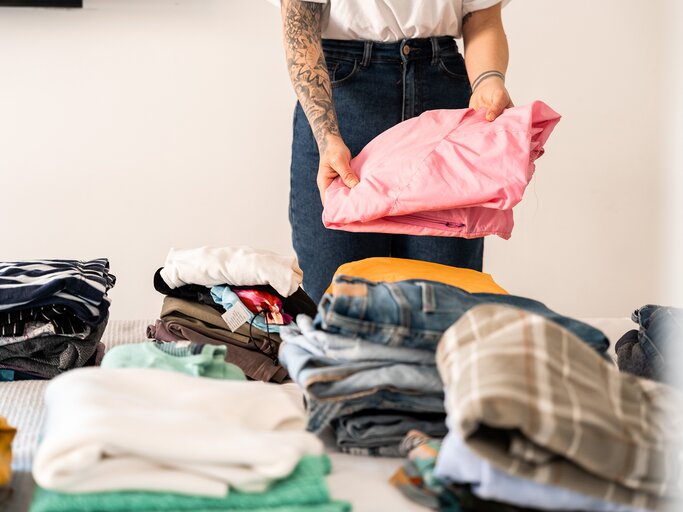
(367, 361)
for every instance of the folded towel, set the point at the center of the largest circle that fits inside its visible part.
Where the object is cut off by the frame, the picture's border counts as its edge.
(148, 429)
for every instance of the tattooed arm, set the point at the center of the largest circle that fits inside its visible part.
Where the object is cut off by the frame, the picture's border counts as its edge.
(486, 57)
(302, 25)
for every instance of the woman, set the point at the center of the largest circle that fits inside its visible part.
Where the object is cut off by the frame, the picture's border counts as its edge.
(359, 67)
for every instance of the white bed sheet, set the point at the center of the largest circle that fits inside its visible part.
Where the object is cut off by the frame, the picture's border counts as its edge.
(363, 481)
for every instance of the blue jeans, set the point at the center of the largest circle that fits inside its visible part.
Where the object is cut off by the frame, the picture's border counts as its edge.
(324, 376)
(661, 328)
(375, 86)
(415, 313)
(323, 413)
(381, 434)
(313, 356)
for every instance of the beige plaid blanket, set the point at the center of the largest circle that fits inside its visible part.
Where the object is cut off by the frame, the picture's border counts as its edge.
(538, 403)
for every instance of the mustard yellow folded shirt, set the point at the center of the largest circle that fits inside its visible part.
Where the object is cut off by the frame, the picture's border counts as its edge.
(6, 436)
(399, 269)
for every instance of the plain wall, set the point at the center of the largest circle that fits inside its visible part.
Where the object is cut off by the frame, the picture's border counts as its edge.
(133, 126)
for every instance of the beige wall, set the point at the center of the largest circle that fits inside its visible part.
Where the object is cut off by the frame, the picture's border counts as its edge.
(132, 126)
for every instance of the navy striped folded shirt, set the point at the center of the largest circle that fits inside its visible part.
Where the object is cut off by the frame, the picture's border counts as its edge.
(81, 286)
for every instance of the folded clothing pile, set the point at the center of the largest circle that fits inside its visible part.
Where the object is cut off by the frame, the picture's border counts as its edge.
(367, 362)
(6, 436)
(538, 420)
(146, 439)
(648, 351)
(52, 316)
(234, 296)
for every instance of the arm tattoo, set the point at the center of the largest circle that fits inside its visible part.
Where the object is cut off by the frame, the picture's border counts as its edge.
(466, 18)
(307, 69)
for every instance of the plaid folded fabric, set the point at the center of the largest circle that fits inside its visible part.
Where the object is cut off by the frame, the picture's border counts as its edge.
(538, 403)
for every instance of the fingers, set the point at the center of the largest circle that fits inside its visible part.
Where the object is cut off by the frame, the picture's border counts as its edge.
(327, 174)
(343, 168)
(499, 101)
(493, 97)
(324, 180)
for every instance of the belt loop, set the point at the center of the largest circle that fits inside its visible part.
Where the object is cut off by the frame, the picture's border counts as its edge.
(367, 53)
(435, 50)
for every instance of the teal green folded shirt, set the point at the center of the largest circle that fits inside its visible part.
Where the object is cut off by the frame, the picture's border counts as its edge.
(194, 359)
(303, 490)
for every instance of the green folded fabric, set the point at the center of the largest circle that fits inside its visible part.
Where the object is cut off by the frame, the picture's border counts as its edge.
(195, 359)
(303, 490)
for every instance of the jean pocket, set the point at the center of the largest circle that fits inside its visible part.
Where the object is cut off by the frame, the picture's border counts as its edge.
(342, 70)
(453, 67)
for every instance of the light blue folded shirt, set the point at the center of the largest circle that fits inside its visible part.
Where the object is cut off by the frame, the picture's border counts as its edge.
(458, 463)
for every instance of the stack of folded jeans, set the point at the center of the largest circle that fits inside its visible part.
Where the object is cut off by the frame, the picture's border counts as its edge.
(648, 350)
(371, 394)
(538, 420)
(234, 296)
(367, 363)
(147, 439)
(52, 316)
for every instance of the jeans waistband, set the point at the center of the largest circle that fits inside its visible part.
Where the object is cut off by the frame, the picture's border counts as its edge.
(431, 48)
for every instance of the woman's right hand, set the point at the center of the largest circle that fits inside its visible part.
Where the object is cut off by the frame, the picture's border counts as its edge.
(335, 160)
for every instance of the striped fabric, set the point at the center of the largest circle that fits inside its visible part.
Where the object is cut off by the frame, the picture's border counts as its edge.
(13, 323)
(80, 285)
(538, 403)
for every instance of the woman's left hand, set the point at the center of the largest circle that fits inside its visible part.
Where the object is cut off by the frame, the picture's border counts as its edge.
(492, 95)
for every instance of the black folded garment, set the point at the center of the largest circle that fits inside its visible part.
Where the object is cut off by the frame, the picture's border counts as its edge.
(630, 356)
(47, 356)
(297, 303)
(62, 318)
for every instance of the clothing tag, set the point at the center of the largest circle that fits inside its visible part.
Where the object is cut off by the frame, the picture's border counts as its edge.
(237, 315)
(183, 343)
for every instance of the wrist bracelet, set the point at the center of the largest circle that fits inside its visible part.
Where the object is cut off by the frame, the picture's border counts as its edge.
(486, 74)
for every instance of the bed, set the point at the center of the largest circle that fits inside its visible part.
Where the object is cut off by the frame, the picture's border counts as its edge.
(363, 481)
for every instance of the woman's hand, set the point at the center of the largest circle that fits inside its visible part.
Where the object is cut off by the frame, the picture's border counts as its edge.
(492, 95)
(335, 160)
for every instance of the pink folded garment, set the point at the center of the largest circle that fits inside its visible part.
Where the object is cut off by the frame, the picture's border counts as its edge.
(444, 173)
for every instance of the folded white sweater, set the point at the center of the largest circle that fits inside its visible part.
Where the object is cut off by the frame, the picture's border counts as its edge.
(237, 266)
(150, 429)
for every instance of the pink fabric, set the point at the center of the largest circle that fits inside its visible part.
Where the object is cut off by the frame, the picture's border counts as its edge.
(258, 301)
(444, 173)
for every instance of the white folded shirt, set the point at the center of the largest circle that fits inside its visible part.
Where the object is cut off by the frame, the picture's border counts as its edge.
(155, 430)
(236, 266)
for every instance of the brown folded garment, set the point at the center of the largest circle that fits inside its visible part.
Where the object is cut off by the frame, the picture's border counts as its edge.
(185, 320)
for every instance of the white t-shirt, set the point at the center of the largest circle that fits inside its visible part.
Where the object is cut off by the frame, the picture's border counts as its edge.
(393, 20)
